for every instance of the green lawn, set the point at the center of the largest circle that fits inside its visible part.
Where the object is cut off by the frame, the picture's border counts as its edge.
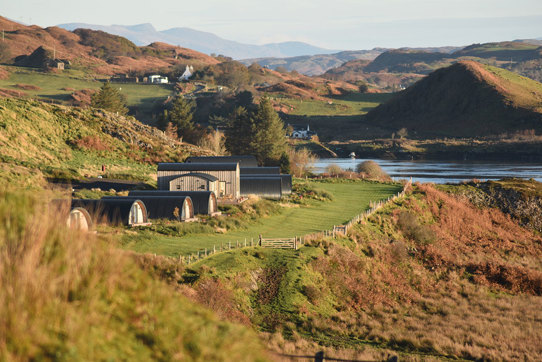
(52, 86)
(347, 105)
(349, 199)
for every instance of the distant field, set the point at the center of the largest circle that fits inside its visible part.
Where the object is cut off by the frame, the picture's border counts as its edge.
(348, 105)
(52, 86)
(349, 199)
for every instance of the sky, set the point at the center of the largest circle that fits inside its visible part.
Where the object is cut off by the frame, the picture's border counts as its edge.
(335, 24)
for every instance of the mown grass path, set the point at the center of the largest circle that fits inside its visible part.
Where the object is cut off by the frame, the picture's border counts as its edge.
(349, 199)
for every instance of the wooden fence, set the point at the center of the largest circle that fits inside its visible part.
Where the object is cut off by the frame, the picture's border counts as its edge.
(295, 242)
(280, 243)
(343, 229)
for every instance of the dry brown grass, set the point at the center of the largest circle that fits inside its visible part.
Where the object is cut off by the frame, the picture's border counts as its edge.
(474, 293)
(27, 86)
(67, 295)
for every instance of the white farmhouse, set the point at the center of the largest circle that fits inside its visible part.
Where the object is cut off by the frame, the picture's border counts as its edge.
(301, 133)
(156, 78)
(187, 73)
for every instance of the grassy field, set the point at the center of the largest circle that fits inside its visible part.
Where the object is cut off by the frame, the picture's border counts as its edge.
(349, 199)
(59, 86)
(347, 105)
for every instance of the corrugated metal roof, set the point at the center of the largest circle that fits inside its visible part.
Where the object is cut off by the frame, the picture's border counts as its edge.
(286, 181)
(267, 187)
(177, 166)
(200, 175)
(115, 211)
(160, 207)
(200, 199)
(244, 161)
(260, 170)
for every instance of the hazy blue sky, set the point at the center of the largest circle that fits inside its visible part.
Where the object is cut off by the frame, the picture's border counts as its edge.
(335, 24)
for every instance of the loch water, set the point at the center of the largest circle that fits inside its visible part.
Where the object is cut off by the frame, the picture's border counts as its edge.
(441, 171)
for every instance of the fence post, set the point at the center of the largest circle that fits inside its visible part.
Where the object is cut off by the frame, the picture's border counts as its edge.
(189, 259)
(251, 241)
(260, 239)
(237, 244)
(214, 249)
(319, 356)
(295, 243)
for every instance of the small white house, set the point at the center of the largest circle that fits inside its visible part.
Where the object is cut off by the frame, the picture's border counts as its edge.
(187, 73)
(304, 134)
(156, 78)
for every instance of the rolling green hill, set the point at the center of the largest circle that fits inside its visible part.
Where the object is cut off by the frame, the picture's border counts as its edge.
(39, 140)
(467, 99)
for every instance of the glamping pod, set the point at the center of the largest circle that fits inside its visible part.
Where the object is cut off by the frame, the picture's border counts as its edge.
(286, 181)
(194, 182)
(266, 187)
(178, 208)
(204, 202)
(227, 174)
(115, 211)
(76, 217)
(243, 161)
(79, 219)
(260, 170)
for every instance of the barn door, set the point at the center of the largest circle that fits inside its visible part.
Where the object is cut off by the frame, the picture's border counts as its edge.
(222, 188)
(186, 210)
(136, 214)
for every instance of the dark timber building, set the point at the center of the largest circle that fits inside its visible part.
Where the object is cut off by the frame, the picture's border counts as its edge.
(260, 171)
(195, 182)
(267, 187)
(227, 175)
(243, 161)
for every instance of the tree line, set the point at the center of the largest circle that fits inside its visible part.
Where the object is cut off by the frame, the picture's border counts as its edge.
(250, 129)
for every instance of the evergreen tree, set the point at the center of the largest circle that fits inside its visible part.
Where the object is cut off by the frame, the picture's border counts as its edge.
(163, 120)
(110, 99)
(269, 141)
(181, 114)
(240, 132)
(284, 163)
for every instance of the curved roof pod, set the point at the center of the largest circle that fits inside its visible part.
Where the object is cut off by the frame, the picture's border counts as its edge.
(117, 211)
(244, 161)
(178, 208)
(260, 170)
(286, 181)
(79, 219)
(204, 202)
(266, 187)
(76, 218)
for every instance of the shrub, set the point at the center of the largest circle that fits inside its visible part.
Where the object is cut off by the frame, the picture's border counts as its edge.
(301, 161)
(334, 169)
(371, 169)
(312, 293)
(409, 225)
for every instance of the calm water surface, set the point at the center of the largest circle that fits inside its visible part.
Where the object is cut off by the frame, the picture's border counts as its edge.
(442, 171)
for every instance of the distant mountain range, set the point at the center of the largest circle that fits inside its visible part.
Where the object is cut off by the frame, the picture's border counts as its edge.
(320, 63)
(144, 34)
